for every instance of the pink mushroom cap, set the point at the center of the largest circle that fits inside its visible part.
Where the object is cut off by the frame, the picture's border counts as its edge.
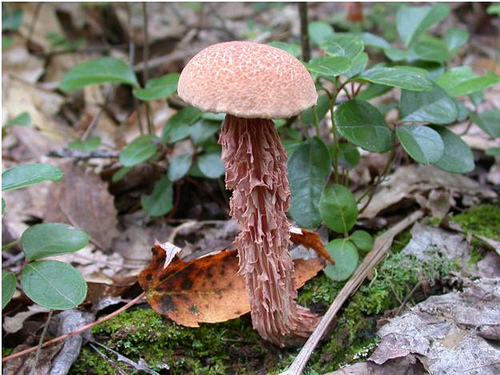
(247, 79)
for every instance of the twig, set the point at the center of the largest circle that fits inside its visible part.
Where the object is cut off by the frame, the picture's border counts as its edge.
(77, 154)
(106, 358)
(39, 347)
(304, 32)
(145, 58)
(380, 249)
(77, 331)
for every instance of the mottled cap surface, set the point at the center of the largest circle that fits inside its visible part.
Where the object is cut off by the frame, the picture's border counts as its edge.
(248, 80)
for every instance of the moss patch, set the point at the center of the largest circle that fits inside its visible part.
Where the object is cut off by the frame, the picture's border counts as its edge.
(481, 220)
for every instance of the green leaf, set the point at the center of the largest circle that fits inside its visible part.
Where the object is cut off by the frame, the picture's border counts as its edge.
(179, 166)
(329, 67)
(362, 240)
(49, 239)
(433, 106)
(8, 287)
(488, 121)
(7, 42)
(412, 22)
(211, 165)
(338, 208)
(463, 112)
(160, 202)
(52, 284)
(476, 97)
(177, 126)
(397, 54)
(319, 31)
(321, 108)
(462, 81)
(362, 124)
(139, 150)
(23, 119)
(88, 145)
(346, 259)
(494, 9)
(422, 143)
(457, 157)
(493, 151)
(158, 88)
(29, 174)
(373, 91)
(349, 156)
(344, 46)
(308, 169)
(292, 49)
(432, 49)
(99, 70)
(397, 77)
(456, 38)
(358, 65)
(3, 206)
(203, 130)
(372, 40)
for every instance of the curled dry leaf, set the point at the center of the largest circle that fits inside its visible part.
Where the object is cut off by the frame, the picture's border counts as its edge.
(311, 240)
(205, 290)
(82, 200)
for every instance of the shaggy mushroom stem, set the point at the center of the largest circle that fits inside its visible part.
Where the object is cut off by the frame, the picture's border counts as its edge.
(256, 170)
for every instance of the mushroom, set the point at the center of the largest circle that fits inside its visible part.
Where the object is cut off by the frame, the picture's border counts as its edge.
(254, 83)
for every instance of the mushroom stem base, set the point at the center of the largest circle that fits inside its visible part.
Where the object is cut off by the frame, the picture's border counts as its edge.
(256, 170)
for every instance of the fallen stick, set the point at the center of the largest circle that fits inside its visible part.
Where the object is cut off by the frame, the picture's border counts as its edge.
(380, 248)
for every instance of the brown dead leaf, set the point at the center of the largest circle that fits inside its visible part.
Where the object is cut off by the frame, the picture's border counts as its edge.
(82, 200)
(311, 240)
(205, 290)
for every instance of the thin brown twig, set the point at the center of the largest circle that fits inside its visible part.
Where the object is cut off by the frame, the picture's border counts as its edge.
(380, 249)
(39, 347)
(304, 32)
(145, 58)
(76, 331)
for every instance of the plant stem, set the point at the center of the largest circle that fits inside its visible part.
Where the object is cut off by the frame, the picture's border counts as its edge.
(304, 32)
(145, 57)
(11, 244)
(39, 347)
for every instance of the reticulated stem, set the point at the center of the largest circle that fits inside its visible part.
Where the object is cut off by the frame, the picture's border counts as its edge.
(256, 170)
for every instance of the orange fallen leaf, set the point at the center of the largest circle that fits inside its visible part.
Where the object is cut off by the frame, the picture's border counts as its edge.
(311, 240)
(205, 290)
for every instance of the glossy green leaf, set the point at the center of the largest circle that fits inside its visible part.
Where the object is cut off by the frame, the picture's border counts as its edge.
(319, 31)
(397, 54)
(49, 239)
(203, 130)
(433, 106)
(373, 91)
(346, 259)
(211, 165)
(308, 169)
(345, 46)
(99, 70)
(457, 157)
(8, 287)
(462, 81)
(120, 173)
(29, 174)
(321, 108)
(494, 9)
(398, 77)
(52, 284)
(358, 65)
(362, 124)
(23, 119)
(179, 166)
(412, 22)
(463, 112)
(456, 38)
(338, 208)
(476, 97)
(362, 240)
(158, 88)
(493, 151)
(372, 40)
(349, 156)
(160, 202)
(178, 126)
(432, 49)
(329, 67)
(139, 150)
(421, 142)
(88, 145)
(488, 121)
(292, 49)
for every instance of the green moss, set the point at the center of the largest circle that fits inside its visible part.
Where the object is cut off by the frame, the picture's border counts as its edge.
(481, 220)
